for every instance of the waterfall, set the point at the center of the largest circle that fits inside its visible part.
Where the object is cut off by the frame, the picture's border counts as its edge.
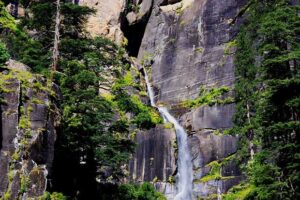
(184, 163)
(219, 193)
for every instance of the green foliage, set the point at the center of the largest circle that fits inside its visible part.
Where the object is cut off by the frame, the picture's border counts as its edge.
(138, 192)
(86, 115)
(52, 196)
(215, 170)
(209, 97)
(168, 125)
(229, 46)
(6, 195)
(4, 55)
(239, 192)
(144, 116)
(267, 90)
(171, 179)
(92, 133)
(36, 51)
(214, 173)
(24, 183)
(7, 22)
(75, 18)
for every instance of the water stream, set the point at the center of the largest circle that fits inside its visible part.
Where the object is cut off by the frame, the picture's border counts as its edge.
(185, 172)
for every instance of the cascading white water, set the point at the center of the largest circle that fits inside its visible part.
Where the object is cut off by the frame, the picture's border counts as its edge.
(185, 171)
(219, 193)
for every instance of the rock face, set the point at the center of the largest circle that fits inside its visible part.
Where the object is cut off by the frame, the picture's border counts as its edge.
(27, 133)
(106, 21)
(189, 44)
(154, 158)
(186, 43)
(140, 9)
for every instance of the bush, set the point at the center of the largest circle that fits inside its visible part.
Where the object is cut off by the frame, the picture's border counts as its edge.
(209, 97)
(146, 191)
(53, 196)
(4, 55)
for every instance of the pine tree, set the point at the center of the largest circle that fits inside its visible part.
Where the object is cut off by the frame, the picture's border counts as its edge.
(268, 85)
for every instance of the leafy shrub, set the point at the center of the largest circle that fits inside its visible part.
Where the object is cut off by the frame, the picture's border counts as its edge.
(146, 191)
(209, 97)
(53, 196)
(4, 55)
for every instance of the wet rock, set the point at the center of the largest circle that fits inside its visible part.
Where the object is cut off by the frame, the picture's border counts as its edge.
(154, 157)
(9, 114)
(207, 147)
(168, 189)
(15, 186)
(211, 187)
(229, 183)
(209, 117)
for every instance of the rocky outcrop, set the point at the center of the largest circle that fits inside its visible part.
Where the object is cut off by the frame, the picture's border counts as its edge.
(139, 10)
(106, 21)
(27, 132)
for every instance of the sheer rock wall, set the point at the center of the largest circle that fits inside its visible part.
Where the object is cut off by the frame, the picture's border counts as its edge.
(187, 45)
(27, 133)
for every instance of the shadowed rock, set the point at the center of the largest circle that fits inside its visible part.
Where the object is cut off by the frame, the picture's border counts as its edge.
(154, 157)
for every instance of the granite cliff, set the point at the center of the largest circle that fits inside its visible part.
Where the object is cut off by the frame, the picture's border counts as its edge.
(29, 117)
(187, 46)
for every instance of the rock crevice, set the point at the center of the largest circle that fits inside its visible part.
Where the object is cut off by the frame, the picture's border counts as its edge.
(28, 133)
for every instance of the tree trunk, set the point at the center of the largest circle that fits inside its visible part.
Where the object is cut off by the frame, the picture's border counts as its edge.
(251, 145)
(55, 52)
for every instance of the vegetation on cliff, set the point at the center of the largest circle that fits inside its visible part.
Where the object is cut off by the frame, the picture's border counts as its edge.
(267, 89)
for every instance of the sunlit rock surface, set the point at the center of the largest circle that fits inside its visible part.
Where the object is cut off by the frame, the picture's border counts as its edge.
(106, 21)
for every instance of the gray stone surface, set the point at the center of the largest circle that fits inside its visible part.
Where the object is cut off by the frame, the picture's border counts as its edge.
(9, 114)
(106, 21)
(142, 9)
(187, 47)
(207, 147)
(25, 153)
(155, 155)
(168, 189)
(211, 187)
(209, 117)
(4, 168)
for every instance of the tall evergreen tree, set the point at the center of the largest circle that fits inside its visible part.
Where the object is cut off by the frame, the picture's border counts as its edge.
(268, 89)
